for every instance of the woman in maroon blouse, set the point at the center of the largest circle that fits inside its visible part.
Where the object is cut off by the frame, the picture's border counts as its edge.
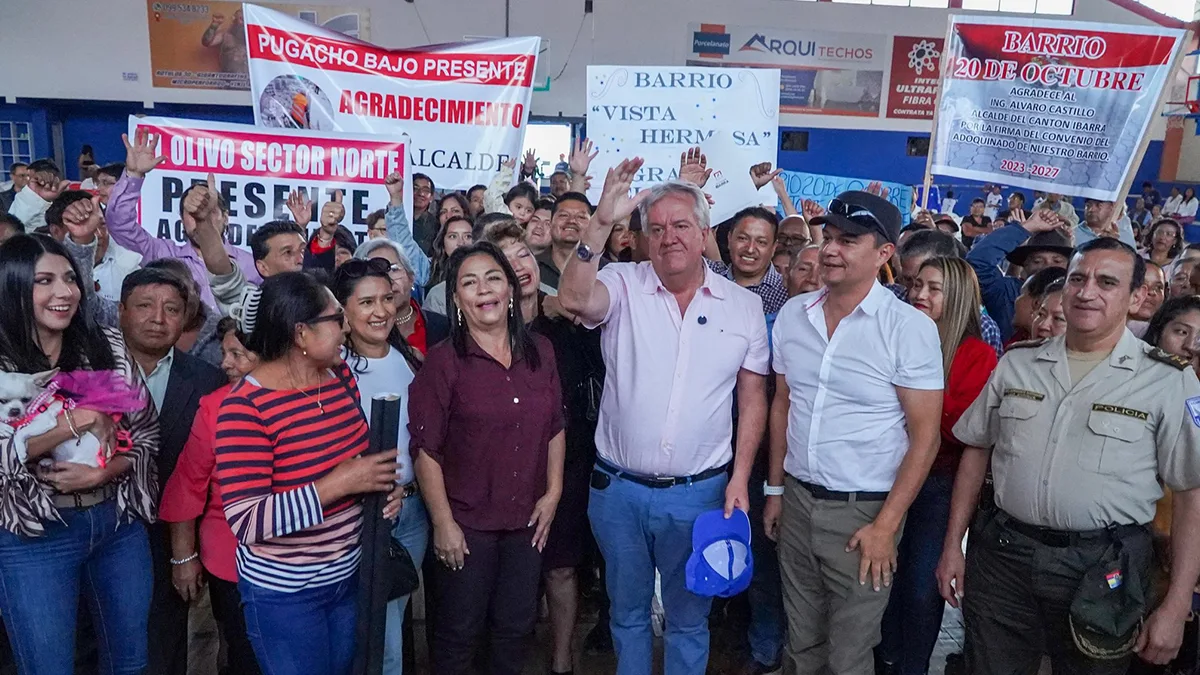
(487, 434)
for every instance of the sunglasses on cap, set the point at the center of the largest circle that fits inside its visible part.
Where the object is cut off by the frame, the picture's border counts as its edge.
(859, 215)
(360, 268)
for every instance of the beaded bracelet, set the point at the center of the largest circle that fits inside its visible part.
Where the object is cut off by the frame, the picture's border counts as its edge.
(186, 560)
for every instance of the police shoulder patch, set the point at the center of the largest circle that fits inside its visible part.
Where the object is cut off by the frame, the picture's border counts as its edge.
(1161, 356)
(1192, 405)
(1026, 344)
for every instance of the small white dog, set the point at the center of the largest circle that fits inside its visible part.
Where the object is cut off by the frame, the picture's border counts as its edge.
(29, 407)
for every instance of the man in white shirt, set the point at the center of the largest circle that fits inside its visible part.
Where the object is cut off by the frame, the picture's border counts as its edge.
(678, 340)
(854, 430)
(113, 264)
(1173, 203)
(993, 202)
(949, 202)
(1100, 220)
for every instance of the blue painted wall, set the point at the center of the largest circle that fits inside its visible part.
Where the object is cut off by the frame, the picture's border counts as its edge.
(880, 155)
(36, 116)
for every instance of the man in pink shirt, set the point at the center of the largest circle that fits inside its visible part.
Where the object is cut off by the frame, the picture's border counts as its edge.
(678, 341)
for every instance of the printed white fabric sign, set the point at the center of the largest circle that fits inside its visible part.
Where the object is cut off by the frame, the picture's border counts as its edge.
(1058, 106)
(465, 104)
(257, 168)
(657, 113)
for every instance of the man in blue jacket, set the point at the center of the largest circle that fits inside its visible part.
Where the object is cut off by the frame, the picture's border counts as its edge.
(1034, 244)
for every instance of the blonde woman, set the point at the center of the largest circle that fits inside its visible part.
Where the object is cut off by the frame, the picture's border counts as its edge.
(947, 291)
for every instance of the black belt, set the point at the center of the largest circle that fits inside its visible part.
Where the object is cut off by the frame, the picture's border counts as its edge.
(409, 490)
(820, 492)
(1067, 538)
(83, 500)
(661, 481)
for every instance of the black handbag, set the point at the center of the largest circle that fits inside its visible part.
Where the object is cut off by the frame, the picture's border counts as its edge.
(400, 571)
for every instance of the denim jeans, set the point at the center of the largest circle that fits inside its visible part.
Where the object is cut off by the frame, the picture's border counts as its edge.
(308, 632)
(638, 529)
(913, 617)
(41, 579)
(412, 531)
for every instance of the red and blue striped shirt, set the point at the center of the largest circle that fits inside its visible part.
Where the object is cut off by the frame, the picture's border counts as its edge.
(271, 448)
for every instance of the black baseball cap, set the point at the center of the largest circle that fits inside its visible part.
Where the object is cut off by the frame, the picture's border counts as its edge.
(857, 212)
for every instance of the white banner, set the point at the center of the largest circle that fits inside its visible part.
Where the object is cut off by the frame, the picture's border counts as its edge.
(1058, 106)
(657, 113)
(257, 168)
(465, 104)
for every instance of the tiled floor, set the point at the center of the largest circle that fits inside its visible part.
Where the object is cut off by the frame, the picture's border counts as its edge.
(726, 655)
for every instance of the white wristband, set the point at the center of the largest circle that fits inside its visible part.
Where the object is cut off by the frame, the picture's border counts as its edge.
(772, 490)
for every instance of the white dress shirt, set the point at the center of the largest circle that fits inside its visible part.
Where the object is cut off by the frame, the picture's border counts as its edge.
(667, 408)
(846, 429)
(156, 380)
(1172, 205)
(112, 269)
(1188, 209)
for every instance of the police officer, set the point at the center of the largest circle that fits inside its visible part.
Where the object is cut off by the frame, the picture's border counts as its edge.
(1079, 429)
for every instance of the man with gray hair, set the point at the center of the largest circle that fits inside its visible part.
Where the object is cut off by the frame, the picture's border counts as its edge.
(678, 340)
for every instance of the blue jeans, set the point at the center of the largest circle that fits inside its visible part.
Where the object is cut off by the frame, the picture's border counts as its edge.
(913, 617)
(308, 632)
(41, 579)
(412, 531)
(638, 529)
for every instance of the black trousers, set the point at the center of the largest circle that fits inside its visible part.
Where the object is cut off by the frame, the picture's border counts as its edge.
(1017, 600)
(168, 611)
(227, 610)
(495, 595)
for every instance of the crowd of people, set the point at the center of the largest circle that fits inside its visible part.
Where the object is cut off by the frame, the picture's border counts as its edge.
(579, 383)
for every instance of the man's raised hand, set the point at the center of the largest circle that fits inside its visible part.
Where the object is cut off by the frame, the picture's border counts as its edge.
(82, 218)
(582, 156)
(201, 206)
(395, 187)
(301, 207)
(762, 174)
(811, 209)
(876, 188)
(1042, 220)
(615, 203)
(141, 156)
(693, 167)
(47, 186)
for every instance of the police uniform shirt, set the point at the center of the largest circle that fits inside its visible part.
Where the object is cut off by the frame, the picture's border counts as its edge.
(1082, 456)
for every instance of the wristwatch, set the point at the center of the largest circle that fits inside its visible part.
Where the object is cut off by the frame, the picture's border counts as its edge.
(585, 252)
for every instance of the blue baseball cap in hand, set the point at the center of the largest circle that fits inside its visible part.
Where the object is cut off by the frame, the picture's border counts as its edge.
(721, 563)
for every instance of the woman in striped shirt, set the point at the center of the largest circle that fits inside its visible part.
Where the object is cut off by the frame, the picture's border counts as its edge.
(288, 444)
